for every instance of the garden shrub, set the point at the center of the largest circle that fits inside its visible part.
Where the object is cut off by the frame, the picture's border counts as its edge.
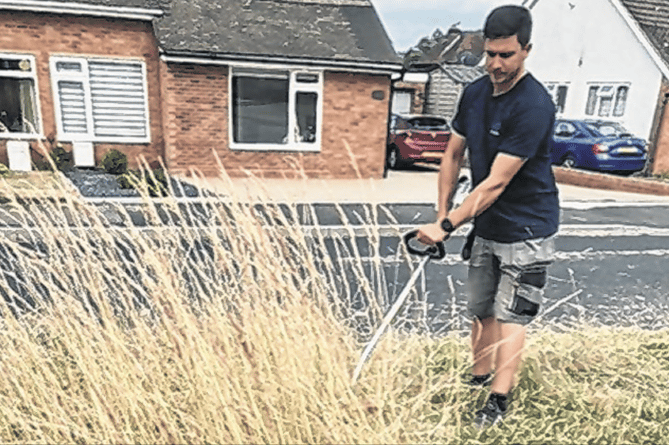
(61, 158)
(155, 181)
(115, 162)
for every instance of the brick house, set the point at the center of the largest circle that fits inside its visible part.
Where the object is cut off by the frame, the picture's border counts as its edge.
(572, 56)
(269, 86)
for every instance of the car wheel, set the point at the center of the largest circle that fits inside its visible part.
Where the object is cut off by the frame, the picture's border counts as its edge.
(393, 158)
(569, 162)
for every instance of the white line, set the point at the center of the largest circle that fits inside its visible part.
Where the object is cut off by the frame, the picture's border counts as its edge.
(587, 205)
(394, 230)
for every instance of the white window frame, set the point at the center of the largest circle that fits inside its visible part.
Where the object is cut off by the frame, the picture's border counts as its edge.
(552, 88)
(84, 77)
(611, 93)
(294, 87)
(30, 74)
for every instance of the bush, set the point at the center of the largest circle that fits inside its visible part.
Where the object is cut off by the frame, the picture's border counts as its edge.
(154, 182)
(4, 170)
(157, 183)
(61, 158)
(115, 162)
(127, 180)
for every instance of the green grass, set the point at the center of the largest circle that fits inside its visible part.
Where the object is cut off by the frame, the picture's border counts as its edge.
(124, 353)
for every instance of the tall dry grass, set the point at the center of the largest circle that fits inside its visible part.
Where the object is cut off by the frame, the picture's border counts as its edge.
(225, 324)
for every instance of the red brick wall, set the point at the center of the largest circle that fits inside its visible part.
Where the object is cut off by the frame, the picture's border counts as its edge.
(353, 117)
(196, 126)
(43, 35)
(195, 116)
(659, 149)
(417, 95)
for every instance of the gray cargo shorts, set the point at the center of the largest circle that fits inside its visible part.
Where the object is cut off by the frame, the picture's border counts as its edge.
(507, 280)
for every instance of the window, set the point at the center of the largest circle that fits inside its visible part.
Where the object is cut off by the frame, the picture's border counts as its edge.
(275, 109)
(621, 101)
(101, 99)
(564, 129)
(18, 100)
(558, 92)
(606, 100)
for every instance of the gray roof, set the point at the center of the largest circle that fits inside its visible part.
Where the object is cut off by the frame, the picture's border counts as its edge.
(462, 74)
(653, 18)
(322, 30)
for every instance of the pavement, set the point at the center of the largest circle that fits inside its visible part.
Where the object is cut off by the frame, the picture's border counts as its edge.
(418, 185)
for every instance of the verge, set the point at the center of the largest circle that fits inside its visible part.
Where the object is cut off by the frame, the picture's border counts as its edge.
(604, 181)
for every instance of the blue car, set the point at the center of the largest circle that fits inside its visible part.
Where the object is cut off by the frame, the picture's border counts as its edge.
(597, 145)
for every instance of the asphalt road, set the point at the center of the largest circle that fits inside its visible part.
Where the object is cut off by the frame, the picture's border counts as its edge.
(610, 269)
(611, 263)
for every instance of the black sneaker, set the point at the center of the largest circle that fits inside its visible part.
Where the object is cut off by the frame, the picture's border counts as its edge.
(477, 380)
(492, 413)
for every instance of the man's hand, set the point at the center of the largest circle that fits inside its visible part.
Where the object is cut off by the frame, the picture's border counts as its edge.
(431, 234)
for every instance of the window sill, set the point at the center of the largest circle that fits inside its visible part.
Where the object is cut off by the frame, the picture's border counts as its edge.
(21, 136)
(302, 148)
(109, 140)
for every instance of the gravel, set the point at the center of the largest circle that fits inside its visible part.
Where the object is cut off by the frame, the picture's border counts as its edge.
(98, 184)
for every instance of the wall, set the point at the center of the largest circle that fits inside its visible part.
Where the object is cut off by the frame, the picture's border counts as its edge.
(196, 127)
(592, 42)
(442, 95)
(44, 35)
(660, 142)
(417, 91)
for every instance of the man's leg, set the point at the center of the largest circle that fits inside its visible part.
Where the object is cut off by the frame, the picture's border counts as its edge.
(509, 351)
(520, 294)
(485, 334)
(483, 280)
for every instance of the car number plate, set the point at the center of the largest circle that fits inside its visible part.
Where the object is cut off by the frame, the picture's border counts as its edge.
(628, 150)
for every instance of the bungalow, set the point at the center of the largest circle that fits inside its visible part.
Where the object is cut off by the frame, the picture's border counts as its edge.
(272, 87)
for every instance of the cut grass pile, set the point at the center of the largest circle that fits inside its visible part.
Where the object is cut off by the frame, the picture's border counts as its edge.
(228, 329)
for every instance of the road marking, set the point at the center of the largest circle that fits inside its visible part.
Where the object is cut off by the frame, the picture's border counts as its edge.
(374, 231)
(588, 205)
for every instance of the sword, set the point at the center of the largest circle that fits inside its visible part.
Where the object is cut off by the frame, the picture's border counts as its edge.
(437, 251)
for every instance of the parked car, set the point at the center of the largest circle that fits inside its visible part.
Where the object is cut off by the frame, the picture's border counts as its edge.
(597, 145)
(415, 138)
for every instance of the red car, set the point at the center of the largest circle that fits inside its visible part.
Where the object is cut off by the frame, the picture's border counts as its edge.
(416, 138)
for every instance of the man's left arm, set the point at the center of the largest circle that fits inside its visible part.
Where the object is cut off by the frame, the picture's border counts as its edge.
(504, 168)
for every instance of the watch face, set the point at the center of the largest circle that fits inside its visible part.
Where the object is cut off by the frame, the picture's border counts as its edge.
(447, 226)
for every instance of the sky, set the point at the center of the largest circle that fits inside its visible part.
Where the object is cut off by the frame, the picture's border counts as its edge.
(407, 21)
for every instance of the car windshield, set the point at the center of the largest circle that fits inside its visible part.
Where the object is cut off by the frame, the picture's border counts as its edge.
(608, 129)
(428, 123)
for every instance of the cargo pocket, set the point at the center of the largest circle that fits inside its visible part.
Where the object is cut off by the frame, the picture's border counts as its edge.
(528, 294)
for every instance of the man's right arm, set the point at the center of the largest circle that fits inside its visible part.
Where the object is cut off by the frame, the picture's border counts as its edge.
(449, 171)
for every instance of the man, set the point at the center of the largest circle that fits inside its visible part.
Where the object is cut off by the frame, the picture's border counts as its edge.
(506, 119)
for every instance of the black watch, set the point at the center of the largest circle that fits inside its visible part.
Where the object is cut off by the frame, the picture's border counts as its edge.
(447, 226)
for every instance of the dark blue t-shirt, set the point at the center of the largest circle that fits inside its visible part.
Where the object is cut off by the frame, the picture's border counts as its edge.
(518, 122)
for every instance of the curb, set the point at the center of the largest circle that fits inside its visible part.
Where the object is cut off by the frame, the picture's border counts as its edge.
(603, 181)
